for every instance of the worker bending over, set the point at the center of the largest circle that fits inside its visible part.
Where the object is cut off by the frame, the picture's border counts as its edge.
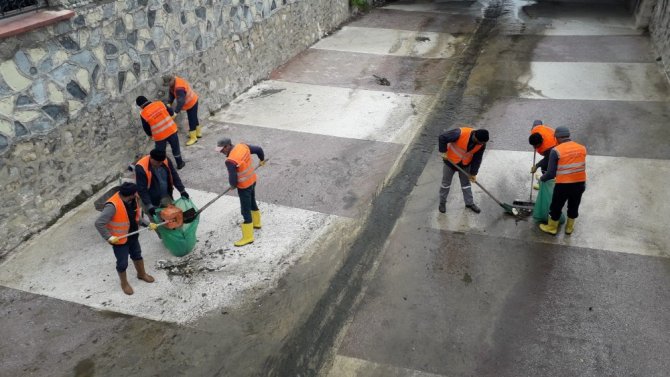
(158, 123)
(464, 147)
(543, 140)
(241, 174)
(156, 180)
(120, 216)
(187, 100)
(567, 163)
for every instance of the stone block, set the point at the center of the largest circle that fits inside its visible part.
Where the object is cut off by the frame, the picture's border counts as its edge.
(79, 21)
(24, 101)
(83, 80)
(151, 18)
(85, 59)
(68, 43)
(76, 91)
(7, 106)
(4, 143)
(36, 54)
(55, 93)
(131, 38)
(20, 129)
(64, 73)
(57, 112)
(6, 127)
(40, 125)
(39, 92)
(12, 77)
(119, 29)
(111, 50)
(26, 116)
(140, 19)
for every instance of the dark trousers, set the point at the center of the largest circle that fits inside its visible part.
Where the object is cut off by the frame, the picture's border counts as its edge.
(173, 140)
(192, 115)
(130, 248)
(566, 192)
(247, 202)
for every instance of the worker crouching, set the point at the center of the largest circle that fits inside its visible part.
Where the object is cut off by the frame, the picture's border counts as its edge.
(241, 174)
(567, 162)
(120, 216)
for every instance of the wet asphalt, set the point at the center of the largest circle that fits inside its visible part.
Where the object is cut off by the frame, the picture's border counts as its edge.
(409, 298)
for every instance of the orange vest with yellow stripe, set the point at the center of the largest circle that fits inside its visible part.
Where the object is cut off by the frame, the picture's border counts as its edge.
(144, 163)
(548, 138)
(159, 119)
(191, 97)
(241, 156)
(119, 225)
(458, 152)
(571, 162)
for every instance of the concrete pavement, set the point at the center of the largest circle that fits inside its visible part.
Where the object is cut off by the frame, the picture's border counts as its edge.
(461, 294)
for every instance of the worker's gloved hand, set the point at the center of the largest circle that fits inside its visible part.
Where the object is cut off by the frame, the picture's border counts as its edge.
(473, 178)
(262, 163)
(153, 226)
(113, 240)
(174, 115)
(184, 194)
(533, 169)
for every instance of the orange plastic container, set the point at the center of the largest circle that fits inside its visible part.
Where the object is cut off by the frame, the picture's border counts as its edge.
(173, 215)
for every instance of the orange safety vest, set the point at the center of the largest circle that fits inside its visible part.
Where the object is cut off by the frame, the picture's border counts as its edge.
(119, 225)
(458, 151)
(548, 138)
(571, 162)
(160, 121)
(241, 156)
(144, 163)
(191, 97)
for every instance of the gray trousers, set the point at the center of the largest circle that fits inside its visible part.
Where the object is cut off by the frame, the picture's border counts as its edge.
(447, 176)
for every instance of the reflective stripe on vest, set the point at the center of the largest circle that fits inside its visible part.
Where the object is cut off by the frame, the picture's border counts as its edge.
(145, 163)
(191, 97)
(571, 162)
(159, 119)
(241, 156)
(458, 151)
(119, 225)
(548, 138)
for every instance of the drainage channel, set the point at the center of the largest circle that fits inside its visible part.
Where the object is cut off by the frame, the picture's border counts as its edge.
(305, 352)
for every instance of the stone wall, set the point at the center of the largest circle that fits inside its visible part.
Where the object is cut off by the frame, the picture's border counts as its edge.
(68, 121)
(659, 28)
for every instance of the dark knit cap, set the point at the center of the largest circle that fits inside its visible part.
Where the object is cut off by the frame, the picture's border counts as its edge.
(537, 123)
(141, 100)
(482, 135)
(157, 155)
(562, 132)
(535, 139)
(128, 189)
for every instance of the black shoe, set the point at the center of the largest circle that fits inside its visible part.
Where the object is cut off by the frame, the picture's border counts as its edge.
(442, 207)
(474, 208)
(180, 164)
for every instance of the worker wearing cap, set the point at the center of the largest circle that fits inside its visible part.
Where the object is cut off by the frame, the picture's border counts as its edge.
(464, 147)
(543, 141)
(187, 100)
(567, 163)
(158, 123)
(241, 174)
(156, 180)
(120, 216)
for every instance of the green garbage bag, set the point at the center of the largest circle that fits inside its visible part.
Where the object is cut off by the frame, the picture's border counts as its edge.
(543, 202)
(180, 241)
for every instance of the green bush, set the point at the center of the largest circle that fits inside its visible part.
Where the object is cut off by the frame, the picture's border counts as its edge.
(360, 4)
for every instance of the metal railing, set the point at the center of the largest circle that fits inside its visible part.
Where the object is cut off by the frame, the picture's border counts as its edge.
(10, 8)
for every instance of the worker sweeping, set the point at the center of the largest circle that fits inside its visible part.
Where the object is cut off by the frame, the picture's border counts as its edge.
(464, 147)
(543, 140)
(121, 215)
(156, 180)
(187, 100)
(241, 174)
(567, 163)
(158, 123)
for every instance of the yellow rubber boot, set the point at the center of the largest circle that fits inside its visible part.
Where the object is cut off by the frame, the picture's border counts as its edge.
(198, 132)
(256, 218)
(551, 227)
(569, 226)
(192, 139)
(247, 235)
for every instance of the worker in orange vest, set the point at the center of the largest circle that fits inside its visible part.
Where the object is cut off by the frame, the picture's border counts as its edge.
(464, 147)
(567, 163)
(158, 123)
(543, 140)
(156, 180)
(187, 99)
(121, 215)
(241, 174)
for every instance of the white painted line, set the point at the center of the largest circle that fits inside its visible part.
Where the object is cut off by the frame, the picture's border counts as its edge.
(623, 209)
(585, 25)
(594, 81)
(344, 366)
(341, 112)
(71, 262)
(392, 42)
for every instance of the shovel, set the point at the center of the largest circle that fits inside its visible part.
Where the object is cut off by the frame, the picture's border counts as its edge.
(507, 207)
(191, 214)
(141, 230)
